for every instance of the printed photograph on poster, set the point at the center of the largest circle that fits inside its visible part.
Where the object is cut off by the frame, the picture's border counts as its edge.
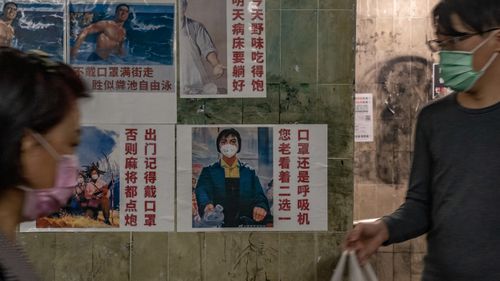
(232, 177)
(96, 198)
(123, 46)
(125, 182)
(202, 48)
(222, 49)
(122, 33)
(251, 178)
(31, 25)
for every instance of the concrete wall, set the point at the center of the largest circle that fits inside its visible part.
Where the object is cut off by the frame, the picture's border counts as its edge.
(394, 63)
(310, 64)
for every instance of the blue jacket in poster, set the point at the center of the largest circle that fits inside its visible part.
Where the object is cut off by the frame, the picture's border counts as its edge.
(211, 189)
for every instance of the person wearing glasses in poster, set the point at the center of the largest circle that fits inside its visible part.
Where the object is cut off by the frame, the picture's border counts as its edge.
(453, 193)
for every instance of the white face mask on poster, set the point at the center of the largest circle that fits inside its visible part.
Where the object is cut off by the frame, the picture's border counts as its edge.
(228, 150)
(95, 177)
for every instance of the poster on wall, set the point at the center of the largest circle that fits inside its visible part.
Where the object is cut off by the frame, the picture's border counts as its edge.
(34, 25)
(222, 49)
(438, 88)
(363, 118)
(125, 182)
(125, 51)
(252, 178)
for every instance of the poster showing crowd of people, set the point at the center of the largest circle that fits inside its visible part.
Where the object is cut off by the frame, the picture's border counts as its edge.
(33, 25)
(125, 182)
(222, 49)
(252, 178)
(125, 51)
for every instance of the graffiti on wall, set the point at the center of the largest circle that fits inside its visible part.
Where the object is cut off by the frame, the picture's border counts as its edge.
(252, 260)
(403, 87)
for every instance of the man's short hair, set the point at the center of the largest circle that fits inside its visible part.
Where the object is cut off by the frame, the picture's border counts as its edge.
(8, 3)
(121, 5)
(479, 15)
(184, 4)
(227, 132)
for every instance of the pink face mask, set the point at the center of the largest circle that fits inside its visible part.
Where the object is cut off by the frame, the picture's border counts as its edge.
(43, 202)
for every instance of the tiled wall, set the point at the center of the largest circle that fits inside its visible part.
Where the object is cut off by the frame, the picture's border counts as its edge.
(310, 55)
(393, 63)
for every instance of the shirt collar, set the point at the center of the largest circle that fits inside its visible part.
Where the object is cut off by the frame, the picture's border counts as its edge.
(223, 163)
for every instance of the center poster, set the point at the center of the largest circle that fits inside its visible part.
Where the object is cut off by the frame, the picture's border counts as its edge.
(252, 178)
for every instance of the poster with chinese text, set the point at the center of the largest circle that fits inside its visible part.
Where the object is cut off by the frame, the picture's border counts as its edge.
(125, 182)
(363, 127)
(222, 49)
(125, 51)
(252, 178)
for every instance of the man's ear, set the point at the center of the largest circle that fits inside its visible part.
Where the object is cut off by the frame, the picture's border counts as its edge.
(27, 141)
(497, 41)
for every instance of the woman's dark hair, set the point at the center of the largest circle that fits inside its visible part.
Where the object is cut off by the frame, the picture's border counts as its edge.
(479, 15)
(228, 132)
(35, 94)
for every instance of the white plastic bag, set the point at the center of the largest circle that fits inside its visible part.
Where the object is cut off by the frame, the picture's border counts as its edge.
(356, 272)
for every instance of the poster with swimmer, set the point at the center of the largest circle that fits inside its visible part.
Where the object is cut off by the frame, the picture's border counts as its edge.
(222, 49)
(31, 25)
(125, 51)
(123, 46)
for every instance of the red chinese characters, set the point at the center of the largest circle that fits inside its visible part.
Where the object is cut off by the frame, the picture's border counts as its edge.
(238, 46)
(131, 195)
(150, 176)
(303, 176)
(257, 46)
(141, 177)
(247, 47)
(293, 176)
(284, 175)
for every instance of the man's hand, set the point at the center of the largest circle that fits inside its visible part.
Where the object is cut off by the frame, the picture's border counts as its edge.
(259, 214)
(209, 208)
(218, 70)
(366, 238)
